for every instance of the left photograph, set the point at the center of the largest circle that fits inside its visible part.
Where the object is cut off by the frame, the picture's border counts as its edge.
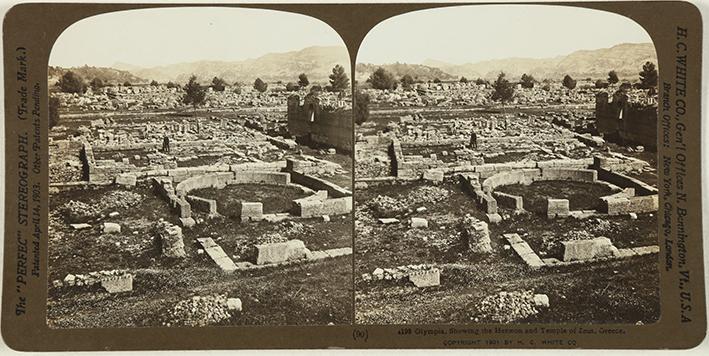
(200, 171)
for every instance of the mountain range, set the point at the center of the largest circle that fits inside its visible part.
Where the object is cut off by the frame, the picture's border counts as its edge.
(626, 59)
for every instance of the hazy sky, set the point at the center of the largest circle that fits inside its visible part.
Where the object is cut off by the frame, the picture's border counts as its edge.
(155, 37)
(463, 34)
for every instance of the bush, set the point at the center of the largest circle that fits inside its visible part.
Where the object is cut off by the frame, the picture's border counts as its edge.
(527, 81)
(382, 79)
(569, 82)
(338, 79)
(96, 84)
(303, 80)
(407, 82)
(71, 82)
(648, 77)
(194, 93)
(613, 77)
(218, 84)
(504, 91)
(464, 80)
(601, 84)
(127, 84)
(260, 85)
(154, 83)
(292, 86)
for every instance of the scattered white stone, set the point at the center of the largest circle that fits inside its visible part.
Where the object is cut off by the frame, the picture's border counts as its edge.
(109, 228)
(421, 209)
(633, 216)
(113, 214)
(419, 223)
(387, 221)
(233, 304)
(541, 300)
(80, 226)
(326, 218)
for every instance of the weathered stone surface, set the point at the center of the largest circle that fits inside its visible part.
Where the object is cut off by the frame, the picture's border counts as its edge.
(217, 254)
(426, 278)
(80, 226)
(111, 228)
(419, 223)
(281, 252)
(493, 218)
(118, 284)
(433, 175)
(249, 211)
(234, 304)
(541, 301)
(477, 234)
(171, 240)
(127, 180)
(557, 208)
(588, 249)
(187, 222)
(387, 221)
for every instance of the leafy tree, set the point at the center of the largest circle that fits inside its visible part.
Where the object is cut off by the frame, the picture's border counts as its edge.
(648, 77)
(613, 77)
(54, 111)
(361, 107)
(407, 82)
(527, 81)
(569, 82)
(172, 85)
(382, 79)
(127, 84)
(436, 80)
(504, 91)
(96, 84)
(218, 84)
(303, 80)
(154, 83)
(194, 93)
(600, 84)
(71, 82)
(292, 86)
(338, 79)
(464, 80)
(260, 85)
(480, 81)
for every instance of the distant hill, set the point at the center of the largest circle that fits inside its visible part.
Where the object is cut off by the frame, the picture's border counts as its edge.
(107, 75)
(315, 62)
(626, 59)
(417, 71)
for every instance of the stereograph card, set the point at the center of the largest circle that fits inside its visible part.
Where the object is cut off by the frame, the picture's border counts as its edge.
(379, 175)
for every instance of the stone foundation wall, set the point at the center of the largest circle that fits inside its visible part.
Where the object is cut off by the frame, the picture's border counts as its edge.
(329, 127)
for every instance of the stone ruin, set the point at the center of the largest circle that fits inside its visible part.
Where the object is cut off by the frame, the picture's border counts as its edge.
(476, 234)
(114, 281)
(328, 126)
(420, 276)
(170, 237)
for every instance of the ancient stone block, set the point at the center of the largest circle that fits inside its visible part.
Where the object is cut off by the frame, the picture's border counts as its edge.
(493, 218)
(281, 252)
(557, 208)
(118, 284)
(81, 226)
(110, 228)
(248, 211)
(419, 223)
(171, 240)
(477, 234)
(433, 175)
(581, 250)
(187, 222)
(127, 180)
(426, 278)
(541, 301)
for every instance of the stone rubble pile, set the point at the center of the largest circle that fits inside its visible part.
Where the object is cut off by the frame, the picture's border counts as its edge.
(117, 280)
(509, 307)
(202, 311)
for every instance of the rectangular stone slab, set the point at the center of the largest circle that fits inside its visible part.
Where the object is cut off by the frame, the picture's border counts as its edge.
(217, 254)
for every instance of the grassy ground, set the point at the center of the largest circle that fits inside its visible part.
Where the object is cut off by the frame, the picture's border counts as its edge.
(310, 293)
(620, 291)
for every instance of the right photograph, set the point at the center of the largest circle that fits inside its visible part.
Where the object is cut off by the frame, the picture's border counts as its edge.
(506, 168)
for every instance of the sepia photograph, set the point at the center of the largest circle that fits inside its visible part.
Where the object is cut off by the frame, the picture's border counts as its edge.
(200, 171)
(505, 168)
